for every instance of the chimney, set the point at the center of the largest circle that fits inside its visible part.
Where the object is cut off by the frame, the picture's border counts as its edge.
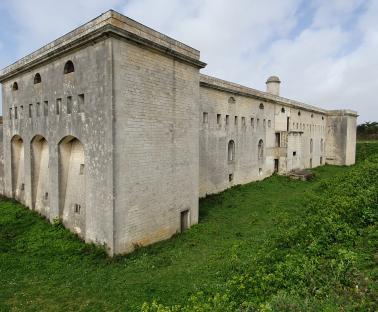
(273, 85)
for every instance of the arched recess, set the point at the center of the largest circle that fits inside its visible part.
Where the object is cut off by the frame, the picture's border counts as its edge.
(40, 174)
(260, 150)
(72, 184)
(231, 151)
(17, 168)
(69, 67)
(311, 146)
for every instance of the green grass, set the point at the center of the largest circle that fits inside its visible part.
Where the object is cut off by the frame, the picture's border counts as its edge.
(234, 250)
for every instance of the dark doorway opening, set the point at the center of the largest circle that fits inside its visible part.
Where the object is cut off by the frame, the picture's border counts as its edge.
(276, 165)
(184, 220)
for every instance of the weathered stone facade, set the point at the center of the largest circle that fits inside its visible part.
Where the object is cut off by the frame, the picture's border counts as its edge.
(113, 130)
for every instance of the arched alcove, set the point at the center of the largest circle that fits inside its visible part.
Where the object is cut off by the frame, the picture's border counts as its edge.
(69, 67)
(17, 168)
(15, 86)
(231, 151)
(40, 174)
(260, 150)
(37, 78)
(72, 184)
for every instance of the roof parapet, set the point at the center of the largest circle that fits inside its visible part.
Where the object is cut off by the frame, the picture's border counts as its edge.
(107, 24)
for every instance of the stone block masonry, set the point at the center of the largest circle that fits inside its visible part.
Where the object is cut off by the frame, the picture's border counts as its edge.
(113, 130)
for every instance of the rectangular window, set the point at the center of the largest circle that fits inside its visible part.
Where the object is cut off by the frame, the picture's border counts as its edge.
(278, 139)
(184, 220)
(219, 119)
(15, 113)
(69, 104)
(21, 111)
(38, 109)
(77, 208)
(252, 122)
(230, 177)
(264, 123)
(10, 113)
(269, 123)
(80, 100)
(227, 120)
(58, 106)
(30, 110)
(45, 108)
(236, 120)
(204, 118)
(81, 172)
(243, 121)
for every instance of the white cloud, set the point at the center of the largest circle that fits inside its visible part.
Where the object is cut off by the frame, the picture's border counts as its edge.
(323, 51)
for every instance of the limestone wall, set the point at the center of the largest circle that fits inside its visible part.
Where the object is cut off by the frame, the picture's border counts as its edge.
(226, 116)
(40, 118)
(156, 145)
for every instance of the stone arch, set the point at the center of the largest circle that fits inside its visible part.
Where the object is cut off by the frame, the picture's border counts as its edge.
(39, 150)
(72, 191)
(260, 150)
(231, 151)
(69, 67)
(17, 168)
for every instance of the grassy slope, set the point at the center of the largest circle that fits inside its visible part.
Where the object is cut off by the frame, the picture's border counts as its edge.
(46, 266)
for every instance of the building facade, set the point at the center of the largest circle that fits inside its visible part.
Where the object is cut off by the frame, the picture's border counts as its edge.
(113, 130)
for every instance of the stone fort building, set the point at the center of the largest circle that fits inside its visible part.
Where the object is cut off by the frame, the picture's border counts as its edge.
(113, 130)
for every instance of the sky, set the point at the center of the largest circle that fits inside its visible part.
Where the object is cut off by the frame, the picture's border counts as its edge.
(324, 51)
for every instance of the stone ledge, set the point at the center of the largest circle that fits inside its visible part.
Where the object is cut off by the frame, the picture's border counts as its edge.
(104, 25)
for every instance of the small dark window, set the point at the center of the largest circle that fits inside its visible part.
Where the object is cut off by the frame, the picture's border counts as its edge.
(46, 196)
(10, 113)
(278, 139)
(69, 104)
(243, 121)
(45, 108)
(231, 177)
(299, 113)
(294, 153)
(236, 120)
(264, 123)
(77, 208)
(69, 67)
(30, 110)
(261, 106)
(219, 119)
(269, 123)
(322, 117)
(81, 103)
(37, 78)
(227, 119)
(81, 172)
(231, 100)
(205, 118)
(312, 115)
(252, 122)
(283, 110)
(15, 86)
(38, 109)
(58, 106)
(15, 113)
(21, 111)
(22, 186)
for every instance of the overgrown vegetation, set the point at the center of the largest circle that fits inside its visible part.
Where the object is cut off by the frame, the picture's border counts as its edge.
(275, 245)
(367, 131)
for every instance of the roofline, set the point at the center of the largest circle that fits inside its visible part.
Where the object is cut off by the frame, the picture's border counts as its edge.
(108, 24)
(237, 89)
